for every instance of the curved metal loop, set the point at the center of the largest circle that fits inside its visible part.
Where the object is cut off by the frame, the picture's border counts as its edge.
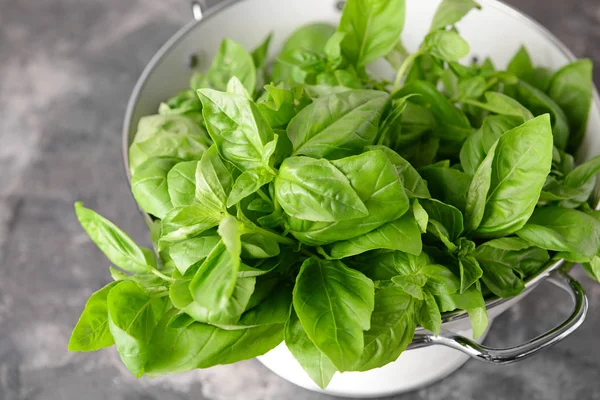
(197, 7)
(516, 353)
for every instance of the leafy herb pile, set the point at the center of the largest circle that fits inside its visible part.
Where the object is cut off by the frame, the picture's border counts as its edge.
(310, 202)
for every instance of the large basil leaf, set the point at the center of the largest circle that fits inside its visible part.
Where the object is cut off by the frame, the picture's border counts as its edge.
(113, 242)
(213, 181)
(132, 319)
(181, 183)
(539, 103)
(201, 346)
(501, 262)
(232, 60)
(334, 304)
(316, 190)
(560, 229)
(478, 191)
(392, 329)
(149, 186)
(372, 28)
(314, 361)
(214, 282)
(339, 125)
(188, 252)
(91, 332)
(237, 127)
(521, 163)
(414, 185)
(402, 234)
(167, 136)
(186, 222)
(571, 87)
(450, 12)
(456, 126)
(448, 185)
(376, 182)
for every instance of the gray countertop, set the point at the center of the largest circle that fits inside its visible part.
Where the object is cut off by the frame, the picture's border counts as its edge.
(67, 68)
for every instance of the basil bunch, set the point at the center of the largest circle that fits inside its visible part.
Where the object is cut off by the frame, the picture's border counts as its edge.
(338, 212)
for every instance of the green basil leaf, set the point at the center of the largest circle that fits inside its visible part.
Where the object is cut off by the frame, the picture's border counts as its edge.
(232, 60)
(521, 163)
(402, 234)
(181, 183)
(561, 229)
(186, 222)
(521, 64)
(470, 272)
(539, 103)
(237, 128)
(313, 361)
(173, 136)
(339, 125)
(214, 282)
(315, 190)
(411, 284)
(189, 252)
(429, 316)
(376, 182)
(450, 217)
(372, 28)
(279, 107)
(445, 45)
(448, 185)
(471, 88)
(256, 245)
(248, 183)
(420, 215)
(592, 268)
(479, 321)
(502, 104)
(113, 242)
(470, 299)
(201, 346)
(449, 12)
(440, 279)
(414, 185)
(213, 181)
(132, 319)
(571, 87)
(91, 332)
(392, 329)
(478, 191)
(149, 186)
(330, 297)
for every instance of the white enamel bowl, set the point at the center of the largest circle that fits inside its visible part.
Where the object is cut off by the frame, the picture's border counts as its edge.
(496, 31)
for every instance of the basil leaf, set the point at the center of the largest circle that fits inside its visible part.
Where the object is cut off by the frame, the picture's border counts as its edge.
(429, 316)
(339, 125)
(478, 191)
(189, 252)
(330, 297)
(181, 183)
(571, 87)
(392, 328)
(448, 185)
(236, 126)
(114, 243)
(402, 234)
(231, 61)
(592, 268)
(479, 321)
(132, 319)
(149, 186)
(186, 222)
(313, 361)
(411, 284)
(214, 282)
(521, 64)
(316, 191)
(420, 215)
(470, 272)
(450, 12)
(445, 45)
(450, 217)
(561, 229)
(256, 245)
(248, 183)
(502, 104)
(201, 346)
(167, 136)
(213, 181)
(539, 103)
(91, 332)
(414, 185)
(521, 163)
(376, 182)
(372, 28)
(440, 280)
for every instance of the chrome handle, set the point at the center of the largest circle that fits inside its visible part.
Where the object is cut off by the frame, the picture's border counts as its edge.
(197, 7)
(516, 353)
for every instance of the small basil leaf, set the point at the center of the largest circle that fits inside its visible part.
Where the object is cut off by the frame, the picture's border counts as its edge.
(449, 12)
(181, 183)
(429, 316)
(149, 186)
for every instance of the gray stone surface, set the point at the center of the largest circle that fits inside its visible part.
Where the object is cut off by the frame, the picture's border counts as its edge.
(66, 70)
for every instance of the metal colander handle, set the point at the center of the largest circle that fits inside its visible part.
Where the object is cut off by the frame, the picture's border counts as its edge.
(519, 352)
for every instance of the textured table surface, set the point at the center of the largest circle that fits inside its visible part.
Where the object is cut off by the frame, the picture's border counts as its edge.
(67, 68)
